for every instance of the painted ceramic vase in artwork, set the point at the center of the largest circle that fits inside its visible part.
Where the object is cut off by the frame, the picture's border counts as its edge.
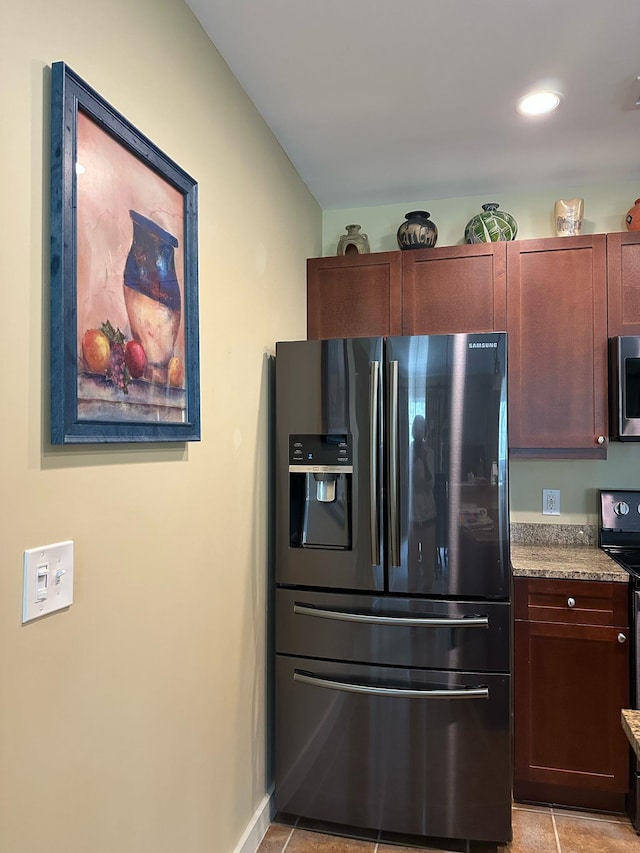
(491, 226)
(632, 218)
(353, 242)
(417, 231)
(152, 294)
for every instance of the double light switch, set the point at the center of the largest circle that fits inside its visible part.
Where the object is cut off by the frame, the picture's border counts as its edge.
(48, 579)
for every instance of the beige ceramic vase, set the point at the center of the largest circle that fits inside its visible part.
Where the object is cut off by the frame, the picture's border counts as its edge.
(353, 242)
(567, 216)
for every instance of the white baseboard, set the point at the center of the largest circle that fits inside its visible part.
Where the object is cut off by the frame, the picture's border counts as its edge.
(257, 827)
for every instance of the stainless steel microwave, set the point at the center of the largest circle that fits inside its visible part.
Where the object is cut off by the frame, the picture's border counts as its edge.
(624, 388)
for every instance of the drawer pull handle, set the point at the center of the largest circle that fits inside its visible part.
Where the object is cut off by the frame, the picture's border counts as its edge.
(622, 638)
(601, 439)
(403, 621)
(571, 602)
(479, 692)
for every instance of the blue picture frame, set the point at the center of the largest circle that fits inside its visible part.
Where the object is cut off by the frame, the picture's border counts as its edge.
(124, 333)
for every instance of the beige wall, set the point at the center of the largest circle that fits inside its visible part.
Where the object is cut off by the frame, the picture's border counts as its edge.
(605, 208)
(135, 721)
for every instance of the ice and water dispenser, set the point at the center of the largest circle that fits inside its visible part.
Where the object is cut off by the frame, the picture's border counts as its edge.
(320, 474)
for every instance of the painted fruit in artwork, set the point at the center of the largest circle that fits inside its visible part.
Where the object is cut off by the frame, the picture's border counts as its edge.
(135, 358)
(175, 372)
(96, 350)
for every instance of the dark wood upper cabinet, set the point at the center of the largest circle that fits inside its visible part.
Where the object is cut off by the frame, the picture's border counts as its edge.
(416, 292)
(549, 294)
(623, 270)
(454, 289)
(351, 296)
(557, 325)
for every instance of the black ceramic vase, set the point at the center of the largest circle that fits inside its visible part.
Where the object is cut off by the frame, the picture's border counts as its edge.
(417, 232)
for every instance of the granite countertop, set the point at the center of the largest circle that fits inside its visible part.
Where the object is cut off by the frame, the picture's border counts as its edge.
(631, 726)
(572, 562)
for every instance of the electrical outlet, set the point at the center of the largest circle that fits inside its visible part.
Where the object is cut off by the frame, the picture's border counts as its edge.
(551, 501)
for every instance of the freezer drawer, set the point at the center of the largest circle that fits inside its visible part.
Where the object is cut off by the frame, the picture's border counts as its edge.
(413, 632)
(396, 756)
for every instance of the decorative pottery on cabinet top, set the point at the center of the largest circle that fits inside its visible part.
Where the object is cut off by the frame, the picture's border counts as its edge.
(417, 231)
(491, 226)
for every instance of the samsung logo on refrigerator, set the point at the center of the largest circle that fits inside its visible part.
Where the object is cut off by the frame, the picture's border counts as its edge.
(484, 345)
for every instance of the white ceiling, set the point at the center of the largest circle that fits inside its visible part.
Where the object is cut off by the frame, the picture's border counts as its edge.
(389, 101)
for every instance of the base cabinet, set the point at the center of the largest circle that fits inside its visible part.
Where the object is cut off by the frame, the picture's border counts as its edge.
(571, 680)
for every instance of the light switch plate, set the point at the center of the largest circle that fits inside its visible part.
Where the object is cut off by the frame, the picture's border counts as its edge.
(48, 580)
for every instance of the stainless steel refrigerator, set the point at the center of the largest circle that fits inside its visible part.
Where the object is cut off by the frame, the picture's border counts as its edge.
(393, 585)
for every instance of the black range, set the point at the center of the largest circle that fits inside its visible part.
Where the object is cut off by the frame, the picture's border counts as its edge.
(619, 537)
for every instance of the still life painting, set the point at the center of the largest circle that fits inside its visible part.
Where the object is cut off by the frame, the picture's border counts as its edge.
(124, 357)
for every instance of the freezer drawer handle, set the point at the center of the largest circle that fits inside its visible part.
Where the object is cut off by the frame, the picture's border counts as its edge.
(374, 379)
(403, 621)
(398, 692)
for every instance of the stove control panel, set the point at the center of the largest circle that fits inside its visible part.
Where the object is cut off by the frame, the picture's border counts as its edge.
(620, 510)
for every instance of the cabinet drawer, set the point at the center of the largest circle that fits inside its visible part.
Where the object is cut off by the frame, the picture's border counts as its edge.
(574, 602)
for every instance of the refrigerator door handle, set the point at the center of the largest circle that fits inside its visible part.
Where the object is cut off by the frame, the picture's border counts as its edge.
(401, 621)
(396, 692)
(394, 535)
(374, 385)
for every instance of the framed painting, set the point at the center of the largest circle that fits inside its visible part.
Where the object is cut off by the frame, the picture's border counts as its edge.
(124, 280)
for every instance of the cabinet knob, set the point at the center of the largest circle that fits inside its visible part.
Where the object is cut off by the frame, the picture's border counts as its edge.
(601, 439)
(622, 638)
(571, 602)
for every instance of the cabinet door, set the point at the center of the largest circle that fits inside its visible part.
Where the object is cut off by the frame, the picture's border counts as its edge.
(557, 324)
(350, 296)
(571, 684)
(454, 289)
(571, 677)
(623, 272)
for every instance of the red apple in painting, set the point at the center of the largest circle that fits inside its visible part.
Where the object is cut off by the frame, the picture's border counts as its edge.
(175, 372)
(135, 358)
(96, 350)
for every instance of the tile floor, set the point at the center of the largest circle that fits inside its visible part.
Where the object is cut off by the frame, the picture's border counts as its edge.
(536, 829)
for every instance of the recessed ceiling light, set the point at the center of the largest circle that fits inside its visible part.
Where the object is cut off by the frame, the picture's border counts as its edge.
(538, 103)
